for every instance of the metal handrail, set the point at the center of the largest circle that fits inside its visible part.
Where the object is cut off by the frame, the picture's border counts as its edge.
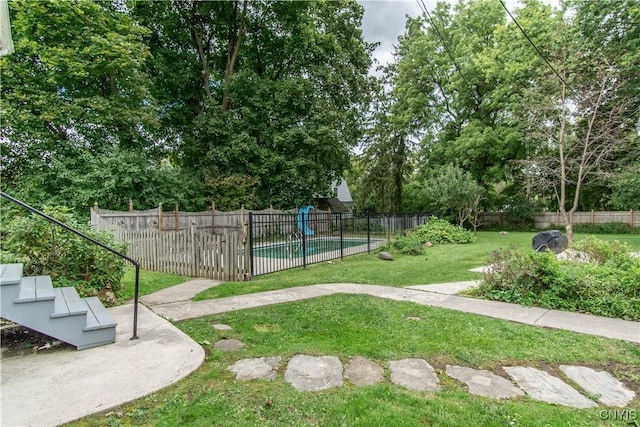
(94, 241)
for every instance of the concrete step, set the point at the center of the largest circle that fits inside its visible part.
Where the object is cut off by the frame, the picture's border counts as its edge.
(35, 288)
(97, 317)
(68, 303)
(58, 312)
(10, 274)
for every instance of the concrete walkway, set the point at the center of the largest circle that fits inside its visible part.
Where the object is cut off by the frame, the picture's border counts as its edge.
(48, 389)
(54, 388)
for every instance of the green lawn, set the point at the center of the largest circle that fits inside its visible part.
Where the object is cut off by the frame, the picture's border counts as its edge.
(350, 325)
(149, 282)
(441, 264)
(379, 329)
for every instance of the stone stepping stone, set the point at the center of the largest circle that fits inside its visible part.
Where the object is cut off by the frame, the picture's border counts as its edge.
(263, 368)
(547, 388)
(414, 374)
(484, 383)
(609, 390)
(229, 344)
(310, 373)
(221, 327)
(362, 372)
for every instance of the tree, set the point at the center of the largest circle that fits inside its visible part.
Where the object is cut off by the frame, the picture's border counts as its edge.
(584, 109)
(76, 81)
(451, 189)
(453, 102)
(269, 96)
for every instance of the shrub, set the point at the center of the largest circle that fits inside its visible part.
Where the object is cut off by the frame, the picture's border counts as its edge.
(403, 244)
(606, 228)
(442, 232)
(47, 249)
(608, 286)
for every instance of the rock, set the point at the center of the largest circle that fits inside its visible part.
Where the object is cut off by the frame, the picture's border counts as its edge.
(221, 327)
(573, 255)
(428, 245)
(110, 298)
(547, 388)
(414, 374)
(484, 383)
(609, 390)
(260, 368)
(309, 373)
(229, 345)
(385, 256)
(362, 371)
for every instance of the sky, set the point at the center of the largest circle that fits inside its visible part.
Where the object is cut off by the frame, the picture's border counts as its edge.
(384, 21)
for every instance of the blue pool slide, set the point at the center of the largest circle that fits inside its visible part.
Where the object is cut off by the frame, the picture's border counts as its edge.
(306, 230)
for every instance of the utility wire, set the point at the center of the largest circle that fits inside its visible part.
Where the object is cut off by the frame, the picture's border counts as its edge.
(515, 21)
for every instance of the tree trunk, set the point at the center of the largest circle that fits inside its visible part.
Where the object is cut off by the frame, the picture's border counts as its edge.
(235, 40)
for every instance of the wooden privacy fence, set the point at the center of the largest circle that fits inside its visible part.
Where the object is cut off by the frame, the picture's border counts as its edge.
(189, 252)
(546, 219)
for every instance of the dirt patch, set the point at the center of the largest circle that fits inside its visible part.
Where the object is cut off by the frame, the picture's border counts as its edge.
(16, 341)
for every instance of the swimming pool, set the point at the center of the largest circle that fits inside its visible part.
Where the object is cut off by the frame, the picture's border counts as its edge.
(313, 246)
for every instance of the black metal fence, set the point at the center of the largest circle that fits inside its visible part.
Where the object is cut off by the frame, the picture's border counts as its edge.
(289, 240)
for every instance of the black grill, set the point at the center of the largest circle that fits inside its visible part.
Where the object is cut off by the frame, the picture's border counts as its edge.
(552, 240)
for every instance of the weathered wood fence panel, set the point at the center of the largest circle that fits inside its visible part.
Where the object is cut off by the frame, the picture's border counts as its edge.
(546, 219)
(190, 252)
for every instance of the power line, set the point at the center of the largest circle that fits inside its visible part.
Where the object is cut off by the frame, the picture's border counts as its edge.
(515, 21)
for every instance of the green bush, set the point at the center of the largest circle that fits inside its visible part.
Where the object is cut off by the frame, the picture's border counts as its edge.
(606, 228)
(609, 285)
(440, 231)
(47, 249)
(403, 244)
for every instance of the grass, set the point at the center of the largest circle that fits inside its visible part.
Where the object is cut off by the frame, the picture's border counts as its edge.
(441, 264)
(350, 325)
(149, 282)
(379, 329)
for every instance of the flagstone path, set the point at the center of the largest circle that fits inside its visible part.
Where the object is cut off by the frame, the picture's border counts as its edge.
(315, 373)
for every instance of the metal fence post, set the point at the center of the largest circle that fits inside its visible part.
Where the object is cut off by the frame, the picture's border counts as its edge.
(368, 233)
(341, 237)
(304, 242)
(251, 268)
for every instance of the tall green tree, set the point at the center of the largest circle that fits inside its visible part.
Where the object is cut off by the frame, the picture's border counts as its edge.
(584, 108)
(76, 81)
(266, 96)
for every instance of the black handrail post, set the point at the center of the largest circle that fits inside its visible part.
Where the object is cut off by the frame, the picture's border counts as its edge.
(95, 242)
(135, 303)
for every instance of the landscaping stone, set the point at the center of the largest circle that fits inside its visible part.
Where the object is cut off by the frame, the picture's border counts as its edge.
(309, 373)
(484, 383)
(229, 344)
(542, 386)
(414, 374)
(221, 327)
(362, 372)
(385, 256)
(609, 390)
(263, 368)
